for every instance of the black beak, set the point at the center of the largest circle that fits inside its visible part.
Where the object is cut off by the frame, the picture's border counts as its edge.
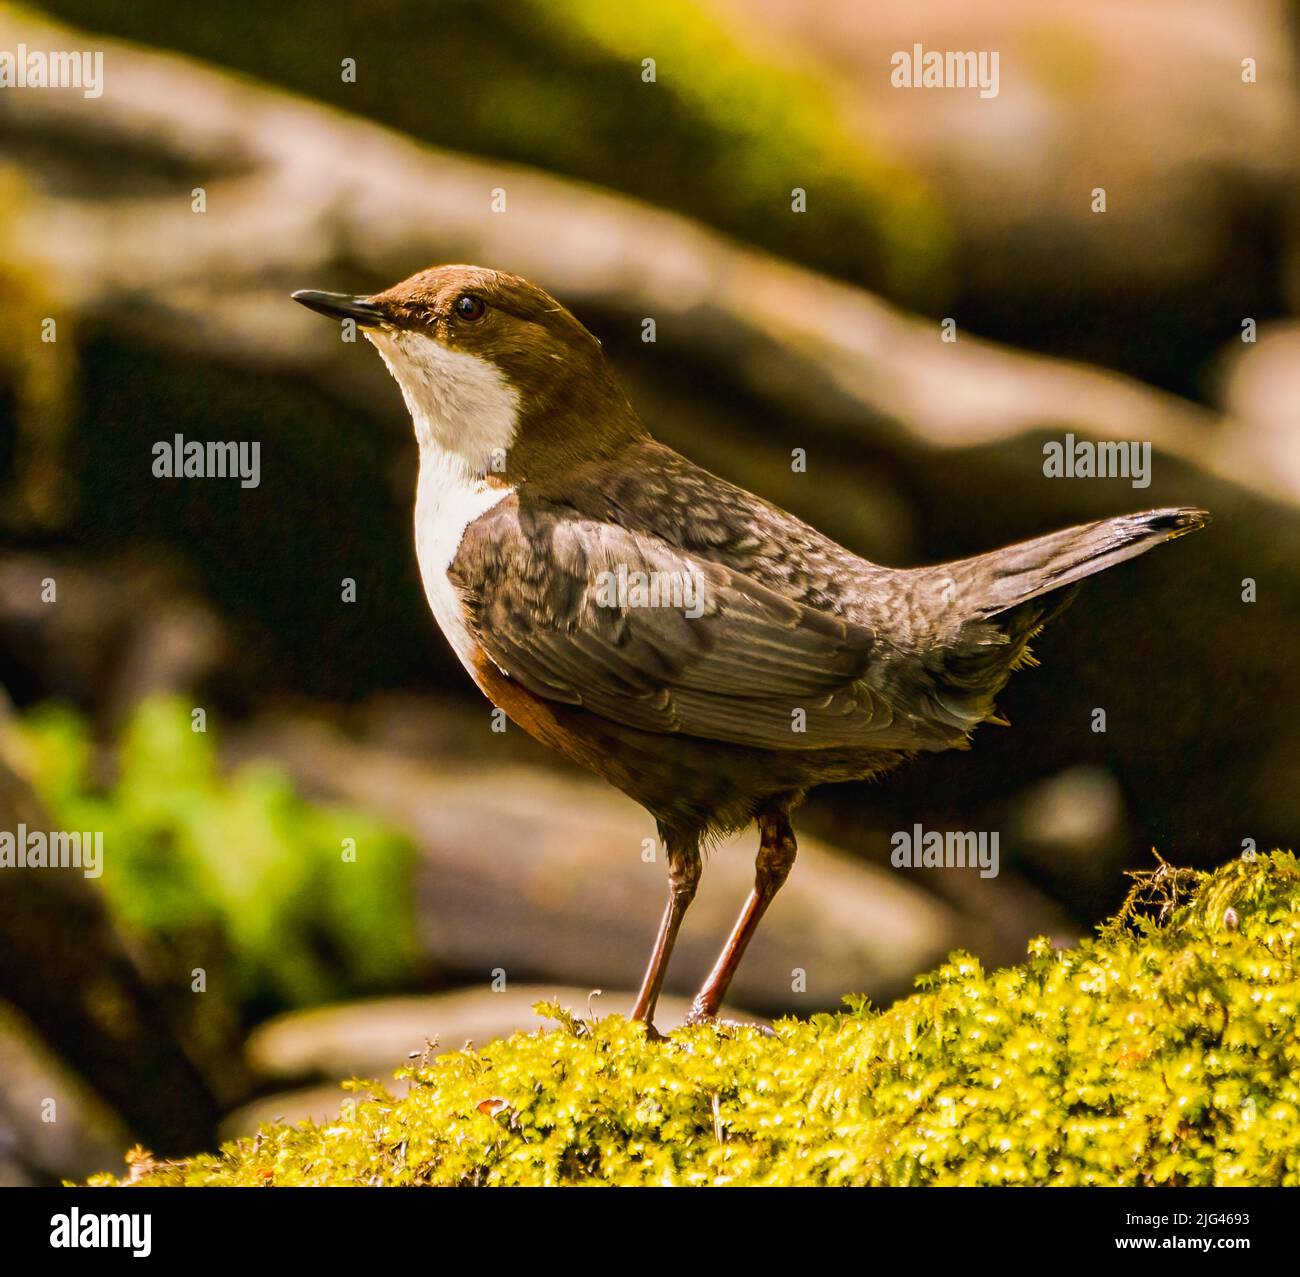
(341, 306)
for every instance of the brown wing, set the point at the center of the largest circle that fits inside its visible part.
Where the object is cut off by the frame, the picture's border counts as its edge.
(553, 600)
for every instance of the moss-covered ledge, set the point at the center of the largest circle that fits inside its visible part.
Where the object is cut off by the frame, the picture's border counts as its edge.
(1163, 1051)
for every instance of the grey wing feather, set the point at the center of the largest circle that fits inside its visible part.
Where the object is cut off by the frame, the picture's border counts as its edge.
(537, 584)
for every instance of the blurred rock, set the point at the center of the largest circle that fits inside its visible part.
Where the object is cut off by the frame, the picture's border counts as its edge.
(545, 875)
(115, 632)
(1261, 390)
(1069, 832)
(1145, 100)
(1078, 812)
(52, 1125)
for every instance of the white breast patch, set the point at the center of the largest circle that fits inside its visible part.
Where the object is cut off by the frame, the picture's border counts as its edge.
(444, 507)
(465, 414)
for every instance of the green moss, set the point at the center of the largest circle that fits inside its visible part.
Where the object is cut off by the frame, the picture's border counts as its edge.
(1163, 1051)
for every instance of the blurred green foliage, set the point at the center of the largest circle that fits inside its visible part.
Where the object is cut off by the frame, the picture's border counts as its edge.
(560, 87)
(1162, 1052)
(234, 869)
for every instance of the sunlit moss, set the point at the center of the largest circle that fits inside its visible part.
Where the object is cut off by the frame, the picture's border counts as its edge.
(1160, 1052)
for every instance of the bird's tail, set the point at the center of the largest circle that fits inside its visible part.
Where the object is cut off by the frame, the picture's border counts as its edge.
(1003, 579)
(1001, 600)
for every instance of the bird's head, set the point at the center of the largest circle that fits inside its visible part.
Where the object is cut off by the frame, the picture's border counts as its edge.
(495, 372)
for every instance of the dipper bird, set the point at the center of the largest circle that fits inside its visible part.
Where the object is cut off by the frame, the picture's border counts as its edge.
(701, 649)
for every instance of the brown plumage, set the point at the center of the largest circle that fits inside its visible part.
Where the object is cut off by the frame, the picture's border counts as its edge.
(782, 662)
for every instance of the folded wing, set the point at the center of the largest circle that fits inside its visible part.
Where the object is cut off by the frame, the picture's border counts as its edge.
(587, 613)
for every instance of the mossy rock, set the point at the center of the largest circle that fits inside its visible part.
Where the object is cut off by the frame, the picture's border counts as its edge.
(1161, 1052)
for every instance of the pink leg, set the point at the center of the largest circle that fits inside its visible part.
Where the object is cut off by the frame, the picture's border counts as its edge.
(683, 878)
(776, 853)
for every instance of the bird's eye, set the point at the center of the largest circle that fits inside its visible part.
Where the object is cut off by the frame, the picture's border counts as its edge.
(469, 307)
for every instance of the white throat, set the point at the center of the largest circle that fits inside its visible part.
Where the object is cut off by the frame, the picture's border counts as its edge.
(465, 414)
(461, 405)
